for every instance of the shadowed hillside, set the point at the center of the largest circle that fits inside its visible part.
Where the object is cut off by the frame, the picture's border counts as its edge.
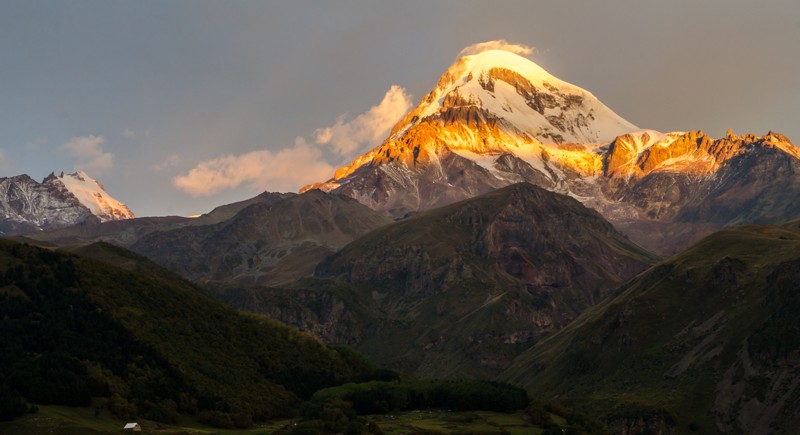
(461, 290)
(149, 343)
(706, 341)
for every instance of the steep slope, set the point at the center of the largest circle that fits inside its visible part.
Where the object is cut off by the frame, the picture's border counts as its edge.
(496, 118)
(91, 194)
(705, 341)
(148, 343)
(269, 243)
(687, 186)
(59, 201)
(460, 290)
(486, 106)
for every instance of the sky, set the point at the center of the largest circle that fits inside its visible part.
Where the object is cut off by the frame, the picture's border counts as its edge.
(177, 107)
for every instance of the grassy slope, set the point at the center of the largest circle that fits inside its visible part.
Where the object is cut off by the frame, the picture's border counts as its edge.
(269, 243)
(674, 338)
(449, 306)
(237, 362)
(60, 420)
(64, 420)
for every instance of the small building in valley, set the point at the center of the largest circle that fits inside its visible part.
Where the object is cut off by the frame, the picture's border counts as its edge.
(132, 427)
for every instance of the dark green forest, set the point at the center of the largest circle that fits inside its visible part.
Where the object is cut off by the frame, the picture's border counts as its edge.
(460, 395)
(156, 346)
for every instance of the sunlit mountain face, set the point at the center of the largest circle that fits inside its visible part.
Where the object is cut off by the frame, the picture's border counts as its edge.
(496, 118)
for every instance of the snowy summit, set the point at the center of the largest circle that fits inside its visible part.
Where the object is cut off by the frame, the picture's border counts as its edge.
(58, 201)
(527, 99)
(92, 195)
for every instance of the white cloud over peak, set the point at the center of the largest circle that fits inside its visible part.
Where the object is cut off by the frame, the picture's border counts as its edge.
(89, 155)
(498, 44)
(290, 168)
(369, 128)
(283, 170)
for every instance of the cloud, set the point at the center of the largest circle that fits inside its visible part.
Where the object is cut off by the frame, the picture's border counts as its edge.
(129, 134)
(367, 129)
(287, 169)
(498, 44)
(169, 162)
(293, 167)
(89, 154)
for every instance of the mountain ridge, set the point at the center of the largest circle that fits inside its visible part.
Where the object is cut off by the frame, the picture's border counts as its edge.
(459, 290)
(271, 241)
(496, 118)
(58, 201)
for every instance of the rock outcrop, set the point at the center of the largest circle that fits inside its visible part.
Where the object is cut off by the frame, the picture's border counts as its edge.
(59, 201)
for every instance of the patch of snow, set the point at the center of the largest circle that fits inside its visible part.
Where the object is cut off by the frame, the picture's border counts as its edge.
(507, 104)
(93, 196)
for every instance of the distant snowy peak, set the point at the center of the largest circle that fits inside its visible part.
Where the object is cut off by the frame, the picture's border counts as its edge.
(522, 98)
(92, 195)
(59, 201)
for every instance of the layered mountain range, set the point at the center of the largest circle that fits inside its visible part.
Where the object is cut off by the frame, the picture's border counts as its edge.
(460, 290)
(496, 118)
(58, 201)
(270, 242)
(513, 227)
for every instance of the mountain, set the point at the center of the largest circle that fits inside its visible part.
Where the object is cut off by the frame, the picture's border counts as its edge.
(705, 341)
(126, 232)
(460, 290)
(684, 187)
(109, 328)
(496, 118)
(266, 242)
(59, 201)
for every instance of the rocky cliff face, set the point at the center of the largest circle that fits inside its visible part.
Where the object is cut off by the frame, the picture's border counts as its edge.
(684, 187)
(327, 312)
(29, 206)
(59, 201)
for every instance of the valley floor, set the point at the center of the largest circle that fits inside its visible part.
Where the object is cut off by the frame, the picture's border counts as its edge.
(60, 420)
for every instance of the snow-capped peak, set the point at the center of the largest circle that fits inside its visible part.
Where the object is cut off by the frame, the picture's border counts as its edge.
(91, 194)
(493, 103)
(529, 101)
